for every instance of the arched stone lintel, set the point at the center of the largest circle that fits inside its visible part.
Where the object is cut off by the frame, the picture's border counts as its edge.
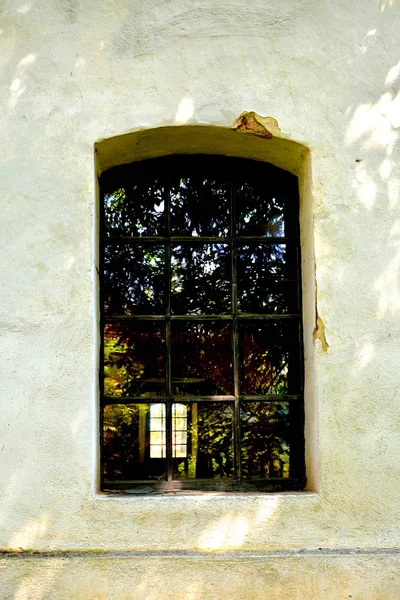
(200, 139)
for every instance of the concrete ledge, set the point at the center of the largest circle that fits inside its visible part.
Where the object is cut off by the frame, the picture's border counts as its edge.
(321, 575)
(215, 555)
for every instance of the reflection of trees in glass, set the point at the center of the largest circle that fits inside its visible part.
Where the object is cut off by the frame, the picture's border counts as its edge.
(265, 351)
(210, 442)
(134, 359)
(134, 279)
(200, 280)
(263, 285)
(260, 210)
(113, 209)
(116, 374)
(126, 444)
(199, 206)
(120, 442)
(201, 358)
(265, 434)
(264, 442)
(136, 209)
(128, 451)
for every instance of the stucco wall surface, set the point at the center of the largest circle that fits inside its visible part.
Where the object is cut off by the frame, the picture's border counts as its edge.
(330, 577)
(73, 72)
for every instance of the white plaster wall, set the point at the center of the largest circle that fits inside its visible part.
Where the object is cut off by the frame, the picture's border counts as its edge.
(275, 577)
(73, 72)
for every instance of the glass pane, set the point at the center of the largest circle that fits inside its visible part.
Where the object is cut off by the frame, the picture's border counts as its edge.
(265, 279)
(134, 359)
(201, 358)
(200, 279)
(157, 431)
(209, 442)
(135, 209)
(199, 206)
(134, 279)
(269, 357)
(126, 444)
(265, 448)
(180, 437)
(157, 452)
(156, 437)
(179, 430)
(260, 210)
(158, 412)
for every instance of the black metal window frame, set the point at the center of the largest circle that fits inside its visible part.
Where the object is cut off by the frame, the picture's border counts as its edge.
(164, 165)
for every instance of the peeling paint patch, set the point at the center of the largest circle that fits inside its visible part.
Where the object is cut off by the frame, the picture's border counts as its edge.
(319, 334)
(251, 122)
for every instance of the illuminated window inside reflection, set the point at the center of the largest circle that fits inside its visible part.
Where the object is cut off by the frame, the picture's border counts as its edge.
(157, 431)
(158, 444)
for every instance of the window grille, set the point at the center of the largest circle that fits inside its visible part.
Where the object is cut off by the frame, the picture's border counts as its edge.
(201, 359)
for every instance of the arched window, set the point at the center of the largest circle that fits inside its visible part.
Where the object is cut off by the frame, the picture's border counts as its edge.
(202, 368)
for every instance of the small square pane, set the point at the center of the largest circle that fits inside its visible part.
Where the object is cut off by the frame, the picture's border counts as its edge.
(134, 279)
(269, 357)
(157, 424)
(157, 451)
(158, 412)
(137, 209)
(260, 210)
(265, 447)
(180, 423)
(180, 451)
(199, 206)
(200, 279)
(179, 411)
(209, 450)
(179, 437)
(201, 358)
(134, 359)
(127, 452)
(267, 278)
(156, 437)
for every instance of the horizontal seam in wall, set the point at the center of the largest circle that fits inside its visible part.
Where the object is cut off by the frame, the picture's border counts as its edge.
(236, 555)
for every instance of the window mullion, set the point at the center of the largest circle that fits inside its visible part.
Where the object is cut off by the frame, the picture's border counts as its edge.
(235, 335)
(168, 374)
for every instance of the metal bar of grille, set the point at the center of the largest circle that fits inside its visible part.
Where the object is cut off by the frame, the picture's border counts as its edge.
(197, 239)
(272, 484)
(101, 362)
(300, 309)
(271, 397)
(238, 316)
(183, 399)
(235, 333)
(155, 399)
(182, 482)
(168, 377)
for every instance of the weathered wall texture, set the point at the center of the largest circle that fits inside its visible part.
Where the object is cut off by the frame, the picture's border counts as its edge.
(73, 72)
